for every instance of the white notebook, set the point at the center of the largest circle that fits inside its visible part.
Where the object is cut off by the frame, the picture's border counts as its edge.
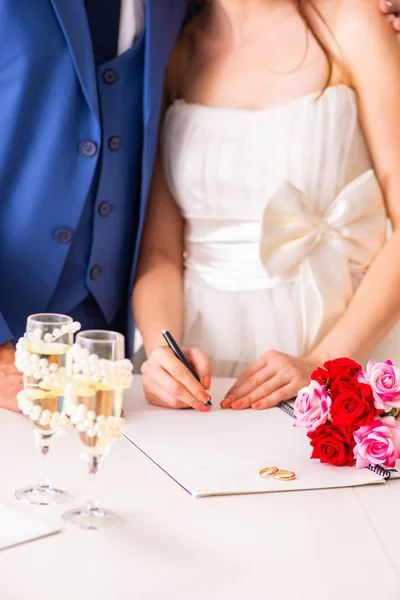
(222, 452)
(17, 527)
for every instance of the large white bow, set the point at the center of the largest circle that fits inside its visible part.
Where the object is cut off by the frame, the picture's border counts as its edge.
(322, 250)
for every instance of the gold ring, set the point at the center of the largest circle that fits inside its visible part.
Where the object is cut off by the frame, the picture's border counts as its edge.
(284, 475)
(268, 471)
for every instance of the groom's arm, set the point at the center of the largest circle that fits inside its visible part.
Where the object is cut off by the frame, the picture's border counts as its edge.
(391, 8)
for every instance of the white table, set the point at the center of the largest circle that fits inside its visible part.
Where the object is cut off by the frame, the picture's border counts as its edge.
(313, 545)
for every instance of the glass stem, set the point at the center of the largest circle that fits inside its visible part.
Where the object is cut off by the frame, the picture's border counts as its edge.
(92, 503)
(44, 476)
(43, 441)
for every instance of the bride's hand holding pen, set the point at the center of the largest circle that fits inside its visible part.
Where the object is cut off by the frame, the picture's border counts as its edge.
(169, 383)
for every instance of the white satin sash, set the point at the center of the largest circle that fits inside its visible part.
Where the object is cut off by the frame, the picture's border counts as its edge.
(322, 251)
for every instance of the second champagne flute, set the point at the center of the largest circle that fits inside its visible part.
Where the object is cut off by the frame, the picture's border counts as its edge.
(99, 374)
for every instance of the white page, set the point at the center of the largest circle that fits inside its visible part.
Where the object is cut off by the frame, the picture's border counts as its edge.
(222, 452)
(17, 527)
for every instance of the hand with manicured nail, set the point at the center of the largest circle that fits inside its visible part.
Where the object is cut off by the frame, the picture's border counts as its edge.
(271, 379)
(391, 8)
(168, 383)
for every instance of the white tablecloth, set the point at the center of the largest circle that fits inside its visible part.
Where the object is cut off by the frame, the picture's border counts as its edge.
(304, 545)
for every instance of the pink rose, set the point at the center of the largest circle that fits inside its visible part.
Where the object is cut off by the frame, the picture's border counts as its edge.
(378, 443)
(311, 408)
(384, 379)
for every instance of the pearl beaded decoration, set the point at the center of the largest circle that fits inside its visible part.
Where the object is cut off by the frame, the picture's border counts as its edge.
(88, 369)
(31, 365)
(67, 328)
(47, 378)
(113, 374)
(86, 421)
(37, 415)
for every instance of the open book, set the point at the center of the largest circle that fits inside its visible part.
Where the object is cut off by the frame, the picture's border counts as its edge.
(222, 452)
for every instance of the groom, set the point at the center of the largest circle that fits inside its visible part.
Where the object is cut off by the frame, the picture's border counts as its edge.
(81, 85)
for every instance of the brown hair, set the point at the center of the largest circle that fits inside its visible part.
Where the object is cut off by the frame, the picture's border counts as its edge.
(301, 5)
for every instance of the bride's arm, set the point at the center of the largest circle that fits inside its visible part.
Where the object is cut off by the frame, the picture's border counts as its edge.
(372, 58)
(158, 304)
(158, 295)
(158, 291)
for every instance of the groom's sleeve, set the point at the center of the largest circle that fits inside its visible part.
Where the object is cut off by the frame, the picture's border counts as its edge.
(5, 332)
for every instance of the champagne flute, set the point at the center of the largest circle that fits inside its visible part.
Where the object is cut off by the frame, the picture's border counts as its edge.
(41, 356)
(99, 374)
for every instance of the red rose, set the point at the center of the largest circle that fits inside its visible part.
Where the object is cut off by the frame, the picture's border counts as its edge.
(342, 367)
(353, 406)
(321, 375)
(332, 445)
(342, 384)
(345, 368)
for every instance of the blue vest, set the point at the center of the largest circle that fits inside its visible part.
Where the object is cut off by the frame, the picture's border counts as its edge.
(99, 261)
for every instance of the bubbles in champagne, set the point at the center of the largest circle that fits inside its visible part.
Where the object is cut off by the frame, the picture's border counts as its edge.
(103, 404)
(44, 382)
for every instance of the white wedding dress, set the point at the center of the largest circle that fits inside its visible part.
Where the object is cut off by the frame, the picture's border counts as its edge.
(284, 215)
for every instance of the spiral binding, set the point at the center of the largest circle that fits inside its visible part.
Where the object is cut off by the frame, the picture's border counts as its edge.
(381, 471)
(285, 406)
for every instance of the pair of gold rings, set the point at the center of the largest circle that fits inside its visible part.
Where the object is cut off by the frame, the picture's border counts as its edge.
(279, 474)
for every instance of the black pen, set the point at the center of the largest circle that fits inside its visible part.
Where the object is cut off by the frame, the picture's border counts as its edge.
(180, 356)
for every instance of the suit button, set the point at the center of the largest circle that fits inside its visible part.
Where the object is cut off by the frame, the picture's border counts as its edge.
(95, 272)
(104, 209)
(88, 148)
(63, 236)
(114, 143)
(110, 76)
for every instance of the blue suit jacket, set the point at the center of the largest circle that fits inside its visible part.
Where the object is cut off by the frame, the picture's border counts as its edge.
(49, 103)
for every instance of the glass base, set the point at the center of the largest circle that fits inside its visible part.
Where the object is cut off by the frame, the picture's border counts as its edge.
(44, 495)
(95, 518)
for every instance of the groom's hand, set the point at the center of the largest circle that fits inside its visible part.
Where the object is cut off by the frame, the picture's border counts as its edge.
(391, 8)
(10, 378)
(273, 378)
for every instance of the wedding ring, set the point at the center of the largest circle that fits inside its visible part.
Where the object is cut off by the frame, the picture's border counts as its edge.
(283, 475)
(268, 471)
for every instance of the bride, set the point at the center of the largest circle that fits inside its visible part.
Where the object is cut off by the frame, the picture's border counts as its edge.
(264, 250)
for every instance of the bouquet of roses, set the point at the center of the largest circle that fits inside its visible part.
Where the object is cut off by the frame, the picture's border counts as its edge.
(350, 415)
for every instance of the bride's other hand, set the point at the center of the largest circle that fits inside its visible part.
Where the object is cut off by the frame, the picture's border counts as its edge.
(391, 8)
(273, 378)
(168, 383)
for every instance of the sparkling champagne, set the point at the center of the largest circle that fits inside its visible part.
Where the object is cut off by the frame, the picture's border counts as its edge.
(44, 382)
(102, 408)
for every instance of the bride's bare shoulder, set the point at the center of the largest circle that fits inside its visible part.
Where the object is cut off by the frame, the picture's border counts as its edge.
(352, 29)
(363, 32)
(351, 15)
